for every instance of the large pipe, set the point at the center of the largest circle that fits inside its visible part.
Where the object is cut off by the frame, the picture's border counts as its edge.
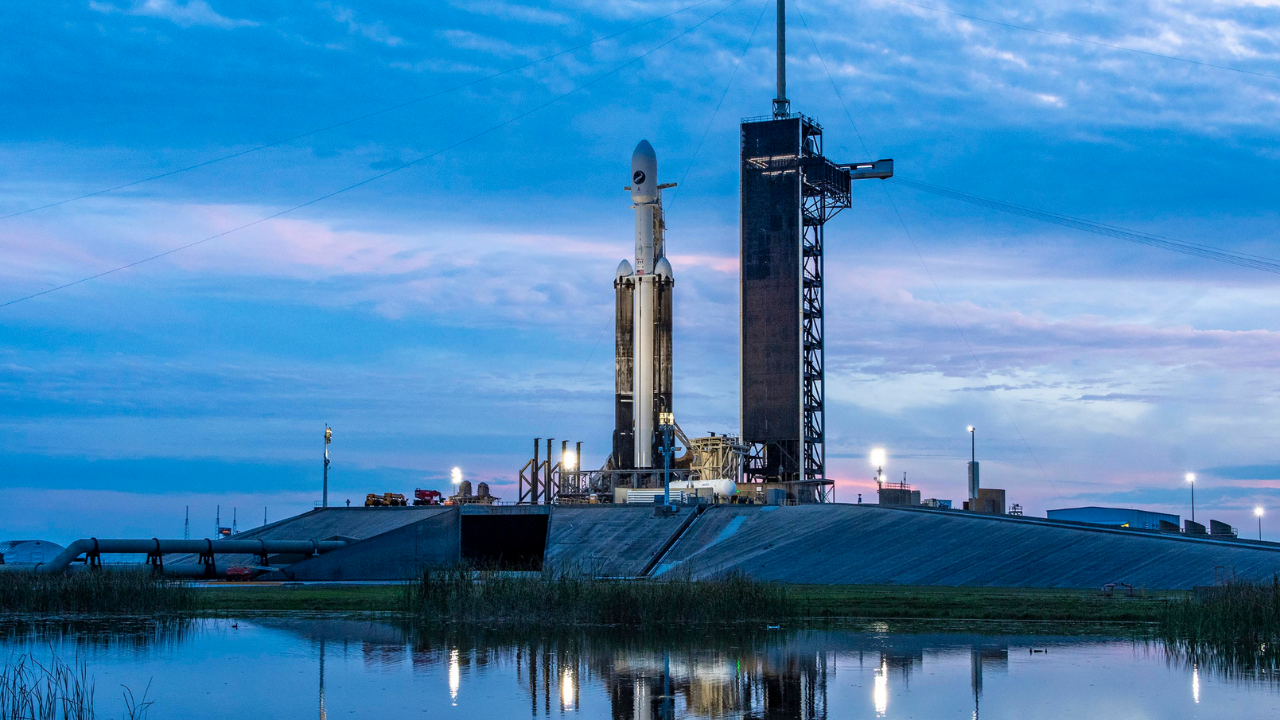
(156, 546)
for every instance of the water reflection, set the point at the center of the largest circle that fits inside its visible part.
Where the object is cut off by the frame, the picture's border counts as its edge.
(373, 667)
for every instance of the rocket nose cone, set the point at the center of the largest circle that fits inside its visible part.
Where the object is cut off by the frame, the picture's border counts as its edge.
(643, 150)
(624, 270)
(662, 268)
(644, 173)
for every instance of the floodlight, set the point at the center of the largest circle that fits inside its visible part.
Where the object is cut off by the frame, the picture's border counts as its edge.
(456, 476)
(877, 457)
(1191, 477)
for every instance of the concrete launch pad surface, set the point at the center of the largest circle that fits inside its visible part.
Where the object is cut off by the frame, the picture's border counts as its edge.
(607, 541)
(873, 545)
(805, 544)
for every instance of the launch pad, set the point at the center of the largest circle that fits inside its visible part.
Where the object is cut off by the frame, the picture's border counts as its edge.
(789, 191)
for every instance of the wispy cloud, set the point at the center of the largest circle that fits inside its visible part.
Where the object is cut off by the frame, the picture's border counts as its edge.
(189, 14)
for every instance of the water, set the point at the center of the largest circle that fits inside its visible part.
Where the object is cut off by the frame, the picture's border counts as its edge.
(345, 667)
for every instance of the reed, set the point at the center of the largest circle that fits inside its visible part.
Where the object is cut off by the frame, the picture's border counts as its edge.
(56, 690)
(1245, 613)
(95, 592)
(464, 595)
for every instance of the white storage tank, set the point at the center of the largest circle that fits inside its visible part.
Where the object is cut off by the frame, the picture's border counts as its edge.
(719, 486)
(28, 552)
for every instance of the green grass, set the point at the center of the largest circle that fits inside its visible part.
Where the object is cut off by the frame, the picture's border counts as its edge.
(1242, 613)
(805, 601)
(252, 597)
(108, 592)
(462, 595)
(960, 603)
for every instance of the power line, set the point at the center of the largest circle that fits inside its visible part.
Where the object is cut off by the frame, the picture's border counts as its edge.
(763, 6)
(1206, 252)
(380, 175)
(1073, 38)
(349, 121)
(925, 265)
(578, 377)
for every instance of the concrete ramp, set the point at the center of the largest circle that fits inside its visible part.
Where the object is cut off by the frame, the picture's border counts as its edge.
(359, 523)
(399, 554)
(872, 545)
(608, 540)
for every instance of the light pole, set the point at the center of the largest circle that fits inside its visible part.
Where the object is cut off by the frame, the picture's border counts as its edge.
(328, 438)
(667, 427)
(877, 461)
(1191, 478)
(1258, 511)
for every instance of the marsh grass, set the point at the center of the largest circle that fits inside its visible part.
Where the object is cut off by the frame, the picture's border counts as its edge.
(122, 592)
(1238, 613)
(464, 595)
(56, 690)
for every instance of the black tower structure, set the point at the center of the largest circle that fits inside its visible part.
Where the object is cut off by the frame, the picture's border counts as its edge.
(789, 191)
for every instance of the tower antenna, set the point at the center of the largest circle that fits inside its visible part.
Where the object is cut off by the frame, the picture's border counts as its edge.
(781, 105)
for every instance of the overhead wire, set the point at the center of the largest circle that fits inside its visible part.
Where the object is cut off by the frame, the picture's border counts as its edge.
(1073, 38)
(737, 66)
(1207, 252)
(351, 120)
(380, 175)
(910, 237)
(764, 6)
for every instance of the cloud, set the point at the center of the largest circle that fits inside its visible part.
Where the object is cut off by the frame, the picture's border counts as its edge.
(1244, 472)
(375, 31)
(189, 14)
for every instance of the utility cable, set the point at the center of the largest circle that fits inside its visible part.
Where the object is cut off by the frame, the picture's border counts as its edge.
(381, 175)
(907, 231)
(1207, 252)
(590, 355)
(1073, 38)
(351, 120)
(693, 161)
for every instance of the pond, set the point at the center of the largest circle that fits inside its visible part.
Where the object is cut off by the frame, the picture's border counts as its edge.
(365, 666)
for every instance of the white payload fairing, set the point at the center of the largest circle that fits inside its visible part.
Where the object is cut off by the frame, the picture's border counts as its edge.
(643, 351)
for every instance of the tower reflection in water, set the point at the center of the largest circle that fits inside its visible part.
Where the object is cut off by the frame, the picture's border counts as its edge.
(773, 676)
(646, 684)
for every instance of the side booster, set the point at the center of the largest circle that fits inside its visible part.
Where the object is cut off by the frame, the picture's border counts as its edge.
(643, 329)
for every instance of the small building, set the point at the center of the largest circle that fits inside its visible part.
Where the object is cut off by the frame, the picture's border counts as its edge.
(897, 493)
(989, 501)
(936, 503)
(1115, 517)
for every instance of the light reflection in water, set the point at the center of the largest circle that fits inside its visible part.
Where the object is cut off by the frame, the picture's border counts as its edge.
(881, 693)
(568, 691)
(455, 675)
(626, 676)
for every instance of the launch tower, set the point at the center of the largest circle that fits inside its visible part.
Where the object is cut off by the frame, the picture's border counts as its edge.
(789, 191)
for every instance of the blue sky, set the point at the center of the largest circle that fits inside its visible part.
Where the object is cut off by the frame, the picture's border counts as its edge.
(448, 313)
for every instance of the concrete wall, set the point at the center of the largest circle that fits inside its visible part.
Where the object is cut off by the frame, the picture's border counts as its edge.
(867, 545)
(395, 555)
(604, 541)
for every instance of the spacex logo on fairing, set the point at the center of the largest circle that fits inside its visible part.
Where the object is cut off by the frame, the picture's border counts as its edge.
(638, 177)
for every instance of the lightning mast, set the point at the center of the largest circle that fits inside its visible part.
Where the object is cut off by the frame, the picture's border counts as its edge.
(789, 192)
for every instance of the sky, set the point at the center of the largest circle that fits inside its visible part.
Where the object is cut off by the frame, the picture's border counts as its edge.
(448, 312)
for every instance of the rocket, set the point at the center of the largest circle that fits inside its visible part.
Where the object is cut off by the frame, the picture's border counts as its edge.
(643, 322)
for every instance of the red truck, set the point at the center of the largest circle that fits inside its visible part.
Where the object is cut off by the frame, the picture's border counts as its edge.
(426, 497)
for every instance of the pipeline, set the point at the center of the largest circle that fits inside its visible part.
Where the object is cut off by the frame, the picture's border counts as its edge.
(92, 548)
